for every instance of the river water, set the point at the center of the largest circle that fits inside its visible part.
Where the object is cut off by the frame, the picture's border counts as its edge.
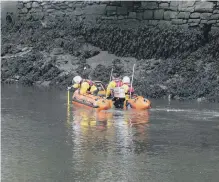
(44, 140)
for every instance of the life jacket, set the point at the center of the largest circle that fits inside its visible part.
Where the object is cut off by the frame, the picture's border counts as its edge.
(131, 89)
(89, 82)
(118, 91)
(118, 83)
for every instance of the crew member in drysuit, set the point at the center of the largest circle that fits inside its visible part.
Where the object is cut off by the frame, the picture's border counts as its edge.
(85, 86)
(127, 88)
(116, 83)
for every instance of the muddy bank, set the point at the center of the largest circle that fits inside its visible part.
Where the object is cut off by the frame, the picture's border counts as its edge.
(182, 64)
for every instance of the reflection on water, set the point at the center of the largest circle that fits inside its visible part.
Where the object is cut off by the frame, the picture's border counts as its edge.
(89, 122)
(104, 141)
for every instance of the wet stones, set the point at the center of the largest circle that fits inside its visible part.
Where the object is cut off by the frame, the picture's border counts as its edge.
(158, 14)
(35, 5)
(57, 51)
(204, 7)
(170, 15)
(148, 15)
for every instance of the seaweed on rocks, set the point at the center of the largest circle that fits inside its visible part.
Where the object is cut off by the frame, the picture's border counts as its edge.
(188, 66)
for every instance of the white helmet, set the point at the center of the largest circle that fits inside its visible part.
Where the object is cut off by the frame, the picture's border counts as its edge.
(77, 79)
(126, 79)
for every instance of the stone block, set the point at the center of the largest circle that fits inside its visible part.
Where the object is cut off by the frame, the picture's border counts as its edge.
(215, 17)
(186, 6)
(120, 17)
(188, 9)
(24, 10)
(35, 5)
(37, 16)
(193, 24)
(132, 15)
(70, 9)
(216, 11)
(126, 3)
(153, 22)
(158, 14)
(108, 17)
(144, 22)
(50, 10)
(194, 21)
(63, 6)
(204, 21)
(149, 5)
(188, 3)
(173, 8)
(205, 16)
(164, 5)
(78, 5)
(78, 12)
(195, 15)
(44, 3)
(111, 10)
(178, 21)
(148, 15)
(70, 5)
(95, 9)
(204, 6)
(174, 5)
(170, 15)
(217, 24)
(211, 21)
(185, 26)
(122, 10)
(139, 15)
(34, 10)
(183, 15)
(28, 16)
(47, 6)
(29, 5)
(164, 23)
(20, 5)
(115, 3)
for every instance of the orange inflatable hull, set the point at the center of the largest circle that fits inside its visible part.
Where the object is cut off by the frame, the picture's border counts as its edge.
(139, 103)
(91, 101)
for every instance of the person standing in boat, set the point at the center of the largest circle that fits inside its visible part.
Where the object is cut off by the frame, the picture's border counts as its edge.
(115, 91)
(85, 85)
(127, 88)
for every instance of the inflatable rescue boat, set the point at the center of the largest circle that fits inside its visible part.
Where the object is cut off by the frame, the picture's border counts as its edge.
(91, 101)
(137, 102)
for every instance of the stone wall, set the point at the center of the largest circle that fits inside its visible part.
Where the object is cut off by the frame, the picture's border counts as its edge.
(152, 13)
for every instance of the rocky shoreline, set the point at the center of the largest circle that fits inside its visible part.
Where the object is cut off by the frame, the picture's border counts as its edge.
(170, 62)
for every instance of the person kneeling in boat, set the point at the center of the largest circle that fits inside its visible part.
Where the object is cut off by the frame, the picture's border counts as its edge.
(127, 88)
(85, 86)
(113, 91)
